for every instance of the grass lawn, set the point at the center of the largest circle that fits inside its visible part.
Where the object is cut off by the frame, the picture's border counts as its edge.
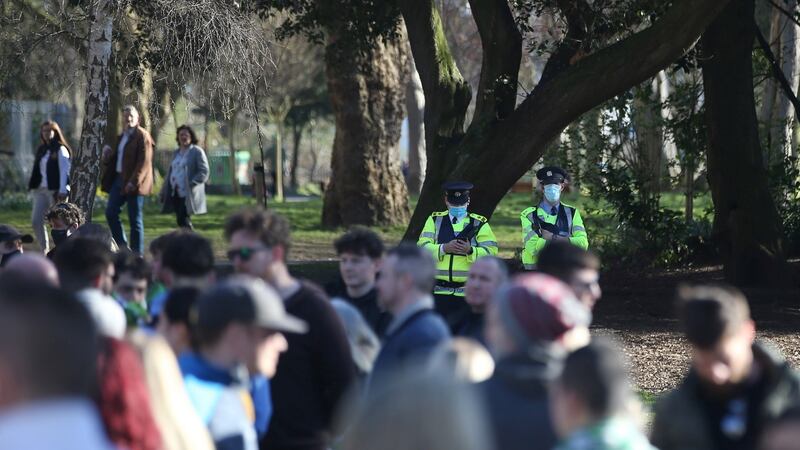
(311, 242)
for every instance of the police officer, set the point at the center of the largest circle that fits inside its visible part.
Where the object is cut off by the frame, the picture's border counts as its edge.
(551, 220)
(455, 238)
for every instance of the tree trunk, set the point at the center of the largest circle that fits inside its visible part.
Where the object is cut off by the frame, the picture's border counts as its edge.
(785, 113)
(297, 136)
(497, 153)
(86, 167)
(415, 107)
(232, 155)
(279, 159)
(366, 185)
(746, 225)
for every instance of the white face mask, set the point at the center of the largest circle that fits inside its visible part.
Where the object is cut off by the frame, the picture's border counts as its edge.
(552, 192)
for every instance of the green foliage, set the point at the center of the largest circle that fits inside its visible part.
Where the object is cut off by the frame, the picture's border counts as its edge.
(784, 184)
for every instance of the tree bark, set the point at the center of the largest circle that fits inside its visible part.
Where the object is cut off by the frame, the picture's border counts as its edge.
(746, 225)
(86, 168)
(366, 92)
(415, 107)
(496, 154)
(237, 190)
(790, 66)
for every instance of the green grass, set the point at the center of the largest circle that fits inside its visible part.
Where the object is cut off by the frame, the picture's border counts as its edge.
(312, 242)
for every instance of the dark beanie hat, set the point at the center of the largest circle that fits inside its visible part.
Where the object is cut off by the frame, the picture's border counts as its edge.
(538, 308)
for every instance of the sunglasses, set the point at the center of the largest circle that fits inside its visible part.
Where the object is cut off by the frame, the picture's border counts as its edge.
(244, 253)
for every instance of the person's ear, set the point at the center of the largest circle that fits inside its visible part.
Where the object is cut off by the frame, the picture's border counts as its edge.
(749, 330)
(278, 252)
(378, 263)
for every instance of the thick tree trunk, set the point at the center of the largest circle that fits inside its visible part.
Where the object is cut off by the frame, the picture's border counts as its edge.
(86, 168)
(232, 154)
(790, 66)
(497, 153)
(746, 223)
(366, 185)
(415, 107)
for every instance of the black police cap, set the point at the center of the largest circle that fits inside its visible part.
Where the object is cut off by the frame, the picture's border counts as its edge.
(551, 175)
(457, 191)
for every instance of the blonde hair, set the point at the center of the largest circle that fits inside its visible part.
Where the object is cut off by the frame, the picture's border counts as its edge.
(465, 358)
(180, 426)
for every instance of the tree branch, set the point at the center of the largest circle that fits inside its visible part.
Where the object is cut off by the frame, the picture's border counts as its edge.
(583, 85)
(785, 12)
(502, 50)
(786, 87)
(41, 16)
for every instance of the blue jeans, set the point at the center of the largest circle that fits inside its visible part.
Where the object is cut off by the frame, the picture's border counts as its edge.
(135, 205)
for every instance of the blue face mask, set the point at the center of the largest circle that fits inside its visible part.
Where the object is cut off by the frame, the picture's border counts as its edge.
(459, 212)
(552, 192)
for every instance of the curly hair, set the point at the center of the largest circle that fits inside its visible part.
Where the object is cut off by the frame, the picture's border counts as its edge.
(69, 213)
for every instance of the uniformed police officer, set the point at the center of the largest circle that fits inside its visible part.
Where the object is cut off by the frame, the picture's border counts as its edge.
(456, 238)
(550, 220)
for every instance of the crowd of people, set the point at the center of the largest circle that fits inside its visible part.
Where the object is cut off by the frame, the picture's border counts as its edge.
(434, 344)
(104, 348)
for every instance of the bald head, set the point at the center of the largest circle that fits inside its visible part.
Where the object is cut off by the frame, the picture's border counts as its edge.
(486, 275)
(33, 267)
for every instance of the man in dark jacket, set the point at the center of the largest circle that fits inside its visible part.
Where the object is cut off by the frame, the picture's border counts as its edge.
(404, 290)
(529, 328)
(735, 386)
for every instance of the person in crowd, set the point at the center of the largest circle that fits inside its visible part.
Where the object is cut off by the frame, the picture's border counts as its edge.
(64, 219)
(86, 267)
(484, 280)
(529, 328)
(416, 330)
(315, 372)
(577, 267)
(364, 343)
(466, 359)
(735, 386)
(49, 180)
(174, 324)
(419, 411)
(48, 351)
(456, 239)
(11, 241)
(178, 423)
(123, 398)
(360, 252)
(33, 267)
(238, 323)
(131, 273)
(127, 178)
(184, 189)
(187, 260)
(99, 233)
(157, 292)
(589, 402)
(783, 433)
(551, 220)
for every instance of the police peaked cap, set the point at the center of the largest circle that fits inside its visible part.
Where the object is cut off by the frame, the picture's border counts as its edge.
(552, 175)
(457, 191)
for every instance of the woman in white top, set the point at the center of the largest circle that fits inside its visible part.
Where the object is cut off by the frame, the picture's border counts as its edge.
(184, 189)
(49, 177)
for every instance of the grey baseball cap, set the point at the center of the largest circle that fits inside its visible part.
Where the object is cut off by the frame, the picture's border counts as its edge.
(248, 300)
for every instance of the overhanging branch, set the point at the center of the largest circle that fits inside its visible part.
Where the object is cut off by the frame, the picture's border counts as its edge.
(786, 87)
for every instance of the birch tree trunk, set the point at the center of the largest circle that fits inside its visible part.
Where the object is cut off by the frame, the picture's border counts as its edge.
(86, 168)
(784, 111)
(415, 106)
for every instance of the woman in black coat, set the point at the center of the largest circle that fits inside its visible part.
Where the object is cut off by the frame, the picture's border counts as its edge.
(49, 181)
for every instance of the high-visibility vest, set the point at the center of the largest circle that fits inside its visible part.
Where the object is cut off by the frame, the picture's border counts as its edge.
(532, 242)
(452, 270)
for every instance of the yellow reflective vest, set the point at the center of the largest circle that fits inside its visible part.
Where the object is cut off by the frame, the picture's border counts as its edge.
(534, 218)
(452, 270)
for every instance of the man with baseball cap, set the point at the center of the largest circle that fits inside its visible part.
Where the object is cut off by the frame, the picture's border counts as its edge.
(455, 238)
(530, 326)
(551, 220)
(11, 242)
(238, 324)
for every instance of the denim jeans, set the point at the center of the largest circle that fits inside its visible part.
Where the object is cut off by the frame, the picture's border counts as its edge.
(135, 205)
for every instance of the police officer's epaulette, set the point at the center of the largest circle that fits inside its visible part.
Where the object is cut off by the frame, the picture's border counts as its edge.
(527, 211)
(479, 217)
(439, 213)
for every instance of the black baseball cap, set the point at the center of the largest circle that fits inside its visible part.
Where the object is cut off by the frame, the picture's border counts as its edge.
(9, 233)
(244, 299)
(457, 191)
